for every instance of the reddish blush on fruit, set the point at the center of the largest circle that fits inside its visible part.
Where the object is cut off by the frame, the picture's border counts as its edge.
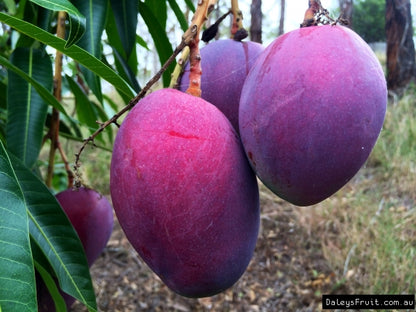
(91, 215)
(184, 192)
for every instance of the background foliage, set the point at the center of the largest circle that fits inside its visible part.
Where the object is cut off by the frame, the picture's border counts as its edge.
(369, 20)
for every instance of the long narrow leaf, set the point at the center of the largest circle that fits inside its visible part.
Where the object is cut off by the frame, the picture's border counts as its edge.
(49, 282)
(51, 230)
(17, 276)
(159, 10)
(190, 5)
(95, 12)
(160, 39)
(125, 71)
(142, 42)
(43, 92)
(26, 108)
(179, 14)
(125, 15)
(75, 52)
(11, 7)
(85, 112)
(76, 19)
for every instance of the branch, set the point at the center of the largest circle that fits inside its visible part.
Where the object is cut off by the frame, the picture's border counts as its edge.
(180, 65)
(195, 70)
(238, 32)
(314, 7)
(53, 133)
(316, 14)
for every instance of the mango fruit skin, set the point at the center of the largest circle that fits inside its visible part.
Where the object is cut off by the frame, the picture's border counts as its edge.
(91, 215)
(311, 110)
(225, 64)
(184, 192)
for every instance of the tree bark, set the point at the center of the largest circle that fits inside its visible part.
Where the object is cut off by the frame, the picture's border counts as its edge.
(256, 21)
(346, 7)
(282, 18)
(400, 46)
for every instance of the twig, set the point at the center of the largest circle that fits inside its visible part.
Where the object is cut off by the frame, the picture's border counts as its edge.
(186, 51)
(237, 29)
(316, 14)
(180, 65)
(69, 172)
(53, 133)
(314, 7)
(195, 70)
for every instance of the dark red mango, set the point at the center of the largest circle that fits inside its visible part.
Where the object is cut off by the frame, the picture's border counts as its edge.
(184, 192)
(311, 110)
(91, 215)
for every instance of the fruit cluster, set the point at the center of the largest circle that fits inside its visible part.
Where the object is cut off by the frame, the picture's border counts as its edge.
(303, 115)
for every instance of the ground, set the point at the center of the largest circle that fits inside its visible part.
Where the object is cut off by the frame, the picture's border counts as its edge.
(287, 273)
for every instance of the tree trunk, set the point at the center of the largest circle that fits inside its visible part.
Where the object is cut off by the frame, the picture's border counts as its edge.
(400, 46)
(256, 21)
(282, 18)
(346, 7)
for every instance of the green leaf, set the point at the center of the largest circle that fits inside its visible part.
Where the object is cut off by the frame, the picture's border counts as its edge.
(190, 5)
(51, 230)
(48, 281)
(111, 103)
(141, 41)
(159, 10)
(26, 108)
(43, 92)
(76, 19)
(179, 14)
(125, 15)
(75, 52)
(134, 64)
(113, 37)
(84, 109)
(125, 66)
(17, 276)
(87, 111)
(32, 13)
(160, 39)
(125, 71)
(95, 12)
(11, 7)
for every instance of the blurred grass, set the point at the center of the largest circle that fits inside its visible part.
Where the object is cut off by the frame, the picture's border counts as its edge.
(368, 228)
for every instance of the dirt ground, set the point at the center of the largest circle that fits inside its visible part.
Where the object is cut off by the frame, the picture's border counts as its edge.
(287, 273)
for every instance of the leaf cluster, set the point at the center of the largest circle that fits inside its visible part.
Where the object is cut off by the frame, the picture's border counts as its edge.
(35, 233)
